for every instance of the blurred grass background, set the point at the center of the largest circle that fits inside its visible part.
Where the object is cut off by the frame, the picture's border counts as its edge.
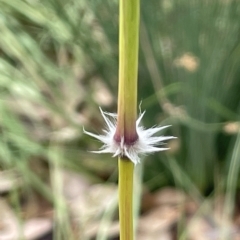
(59, 62)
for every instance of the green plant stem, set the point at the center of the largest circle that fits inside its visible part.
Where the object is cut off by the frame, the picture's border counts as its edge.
(125, 187)
(129, 11)
(128, 65)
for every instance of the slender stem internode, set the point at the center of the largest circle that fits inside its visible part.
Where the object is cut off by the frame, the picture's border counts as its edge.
(128, 68)
(125, 186)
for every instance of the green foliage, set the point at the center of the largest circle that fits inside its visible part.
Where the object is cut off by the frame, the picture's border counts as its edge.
(195, 45)
(51, 52)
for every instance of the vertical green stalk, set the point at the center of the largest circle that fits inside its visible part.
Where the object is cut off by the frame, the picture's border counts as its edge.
(125, 188)
(128, 65)
(127, 108)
